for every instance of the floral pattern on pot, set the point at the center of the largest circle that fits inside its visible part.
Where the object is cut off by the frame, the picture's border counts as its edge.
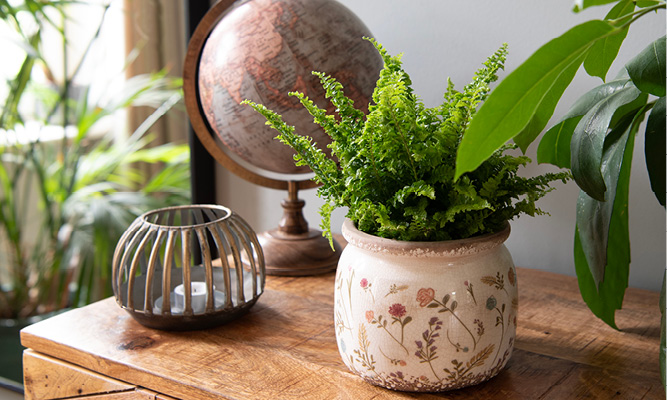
(441, 320)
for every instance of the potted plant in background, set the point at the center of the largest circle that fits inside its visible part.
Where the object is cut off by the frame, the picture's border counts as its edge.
(426, 292)
(64, 202)
(595, 139)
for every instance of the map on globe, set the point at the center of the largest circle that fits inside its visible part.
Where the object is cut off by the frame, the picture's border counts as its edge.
(263, 49)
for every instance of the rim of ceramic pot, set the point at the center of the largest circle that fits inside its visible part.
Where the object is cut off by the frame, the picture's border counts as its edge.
(449, 248)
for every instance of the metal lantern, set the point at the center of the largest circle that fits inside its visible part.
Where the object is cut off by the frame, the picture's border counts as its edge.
(189, 267)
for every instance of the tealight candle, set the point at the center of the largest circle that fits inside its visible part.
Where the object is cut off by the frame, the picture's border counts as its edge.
(198, 295)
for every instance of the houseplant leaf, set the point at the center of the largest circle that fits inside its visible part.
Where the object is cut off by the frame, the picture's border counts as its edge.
(546, 108)
(588, 138)
(554, 148)
(602, 241)
(513, 104)
(605, 296)
(604, 51)
(647, 3)
(654, 149)
(580, 5)
(647, 69)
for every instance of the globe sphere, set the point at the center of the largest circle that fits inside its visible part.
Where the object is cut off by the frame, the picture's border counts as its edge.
(263, 49)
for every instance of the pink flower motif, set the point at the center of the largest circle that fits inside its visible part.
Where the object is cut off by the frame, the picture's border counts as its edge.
(466, 283)
(370, 315)
(403, 363)
(425, 296)
(397, 310)
(364, 283)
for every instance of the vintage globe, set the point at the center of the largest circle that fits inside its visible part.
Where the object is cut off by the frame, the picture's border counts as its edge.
(263, 49)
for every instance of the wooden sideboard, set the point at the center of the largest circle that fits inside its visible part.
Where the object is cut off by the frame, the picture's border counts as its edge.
(285, 348)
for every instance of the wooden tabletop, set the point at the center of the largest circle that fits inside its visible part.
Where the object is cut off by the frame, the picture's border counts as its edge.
(285, 348)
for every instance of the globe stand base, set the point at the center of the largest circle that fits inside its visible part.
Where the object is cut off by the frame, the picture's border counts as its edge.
(298, 254)
(293, 249)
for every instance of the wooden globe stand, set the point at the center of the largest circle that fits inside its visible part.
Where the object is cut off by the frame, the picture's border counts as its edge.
(292, 248)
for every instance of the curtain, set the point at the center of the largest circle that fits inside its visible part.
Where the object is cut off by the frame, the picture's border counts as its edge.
(157, 29)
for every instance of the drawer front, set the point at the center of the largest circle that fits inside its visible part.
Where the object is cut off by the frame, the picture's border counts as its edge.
(47, 378)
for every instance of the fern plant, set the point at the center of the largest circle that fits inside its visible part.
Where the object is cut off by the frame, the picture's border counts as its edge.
(394, 167)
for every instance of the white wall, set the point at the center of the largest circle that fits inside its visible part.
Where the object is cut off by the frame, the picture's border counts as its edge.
(442, 38)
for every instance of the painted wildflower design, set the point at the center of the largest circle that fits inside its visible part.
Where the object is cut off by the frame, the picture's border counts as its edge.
(426, 350)
(470, 291)
(397, 312)
(425, 296)
(446, 331)
(461, 371)
(498, 281)
(370, 315)
(367, 287)
(394, 361)
(363, 355)
(394, 288)
(480, 327)
(492, 304)
(446, 306)
(341, 319)
(458, 346)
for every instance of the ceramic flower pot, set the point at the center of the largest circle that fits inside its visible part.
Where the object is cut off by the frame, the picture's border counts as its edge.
(425, 316)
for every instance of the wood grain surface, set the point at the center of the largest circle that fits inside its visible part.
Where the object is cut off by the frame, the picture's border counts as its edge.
(49, 378)
(285, 348)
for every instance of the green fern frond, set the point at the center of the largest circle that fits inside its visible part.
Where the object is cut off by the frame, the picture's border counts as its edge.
(394, 167)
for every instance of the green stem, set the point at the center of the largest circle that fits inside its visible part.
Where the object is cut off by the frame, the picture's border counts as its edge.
(639, 13)
(636, 15)
(10, 110)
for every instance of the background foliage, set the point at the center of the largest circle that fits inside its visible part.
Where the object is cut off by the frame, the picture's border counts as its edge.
(87, 184)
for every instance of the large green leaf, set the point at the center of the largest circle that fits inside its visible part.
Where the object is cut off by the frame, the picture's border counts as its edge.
(647, 69)
(647, 3)
(655, 149)
(514, 103)
(586, 146)
(554, 147)
(547, 106)
(604, 51)
(580, 5)
(603, 288)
